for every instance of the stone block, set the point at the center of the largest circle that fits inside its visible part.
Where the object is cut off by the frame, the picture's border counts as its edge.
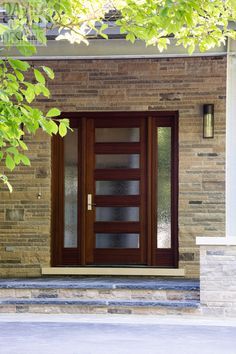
(68, 293)
(41, 172)
(187, 256)
(22, 308)
(120, 311)
(14, 215)
(215, 253)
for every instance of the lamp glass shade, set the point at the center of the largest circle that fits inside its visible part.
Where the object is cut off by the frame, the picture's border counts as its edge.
(208, 121)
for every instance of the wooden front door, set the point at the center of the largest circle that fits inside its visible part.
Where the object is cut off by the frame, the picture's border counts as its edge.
(115, 190)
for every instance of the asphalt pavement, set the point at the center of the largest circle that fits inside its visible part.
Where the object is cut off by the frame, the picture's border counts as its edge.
(104, 334)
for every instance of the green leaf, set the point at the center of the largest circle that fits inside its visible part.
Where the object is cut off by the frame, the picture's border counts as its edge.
(29, 94)
(38, 89)
(39, 77)
(10, 163)
(62, 129)
(4, 97)
(53, 112)
(164, 12)
(191, 48)
(130, 37)
(43, 89)
(53, 126)
(13, 87)
(40, 33)
(103, 35)
(49, 72)
(19, 75)
(65, 121)
(23, 145)
(12, 150)
(19, 64)
(26, 49)
(5, 181)
(25, 160)
(104, 26)
(11, 77)
(19, 97)
(17, 159)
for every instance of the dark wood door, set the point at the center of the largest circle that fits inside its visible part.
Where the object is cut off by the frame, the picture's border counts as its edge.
(115, 190)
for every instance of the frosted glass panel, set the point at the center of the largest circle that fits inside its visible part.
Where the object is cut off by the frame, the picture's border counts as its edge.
(112, 135)
(116, 135)
(164, 188)
(117, 214)
(70, 188)
(117, 187)
(117, 161)
(117, 240)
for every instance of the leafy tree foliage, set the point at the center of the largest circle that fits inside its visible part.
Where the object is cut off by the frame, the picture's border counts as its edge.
(205, 23)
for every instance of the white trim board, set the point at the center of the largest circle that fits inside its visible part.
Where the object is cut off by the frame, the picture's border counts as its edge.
(216, 241)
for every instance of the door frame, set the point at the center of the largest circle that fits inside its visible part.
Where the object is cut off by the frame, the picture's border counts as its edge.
(72, 257)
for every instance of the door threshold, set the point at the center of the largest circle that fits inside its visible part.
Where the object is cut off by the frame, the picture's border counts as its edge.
(168, 272)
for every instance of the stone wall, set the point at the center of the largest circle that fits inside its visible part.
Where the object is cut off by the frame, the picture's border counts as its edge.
(182, 84)
(25, 214)
(218, 280)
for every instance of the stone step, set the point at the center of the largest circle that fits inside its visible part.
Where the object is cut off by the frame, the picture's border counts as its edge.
(102, 288)
(48, 305)
(99, 295)
(105, 294)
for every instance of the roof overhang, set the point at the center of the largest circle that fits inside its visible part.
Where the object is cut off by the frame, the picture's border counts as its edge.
(111, 49)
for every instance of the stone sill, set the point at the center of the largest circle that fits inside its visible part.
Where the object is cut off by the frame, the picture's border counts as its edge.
(172, 272)
(216, 241)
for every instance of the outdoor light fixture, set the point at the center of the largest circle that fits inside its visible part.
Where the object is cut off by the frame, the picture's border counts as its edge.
(208, 121)
(22, 128)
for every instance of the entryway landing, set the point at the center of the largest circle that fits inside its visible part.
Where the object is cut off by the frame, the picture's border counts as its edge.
(129, 295)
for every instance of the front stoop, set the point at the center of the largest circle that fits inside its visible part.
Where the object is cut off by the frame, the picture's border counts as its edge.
(114, 295)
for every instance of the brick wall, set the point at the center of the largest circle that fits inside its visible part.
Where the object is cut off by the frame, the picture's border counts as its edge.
(182, 84)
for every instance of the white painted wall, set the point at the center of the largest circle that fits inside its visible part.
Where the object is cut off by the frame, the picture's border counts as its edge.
(231, 148)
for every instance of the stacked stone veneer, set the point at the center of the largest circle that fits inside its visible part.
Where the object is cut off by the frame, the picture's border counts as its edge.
(218, 280)
(183, 85)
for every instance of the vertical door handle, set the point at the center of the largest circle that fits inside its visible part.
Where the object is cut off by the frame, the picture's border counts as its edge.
(90, 203)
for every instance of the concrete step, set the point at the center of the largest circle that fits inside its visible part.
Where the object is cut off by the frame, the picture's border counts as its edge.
(99, 295)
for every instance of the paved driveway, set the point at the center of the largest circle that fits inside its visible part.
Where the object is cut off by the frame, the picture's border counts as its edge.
(103, 335)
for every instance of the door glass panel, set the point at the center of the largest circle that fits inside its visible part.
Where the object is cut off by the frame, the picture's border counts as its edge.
(117, 240)
(117, 161)
(105, 135)
(70, 188)
(164, 188)
(120, 187)
(117, 214)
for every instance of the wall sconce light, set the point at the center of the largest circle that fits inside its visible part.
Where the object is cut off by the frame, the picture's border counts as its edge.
(208, 121)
